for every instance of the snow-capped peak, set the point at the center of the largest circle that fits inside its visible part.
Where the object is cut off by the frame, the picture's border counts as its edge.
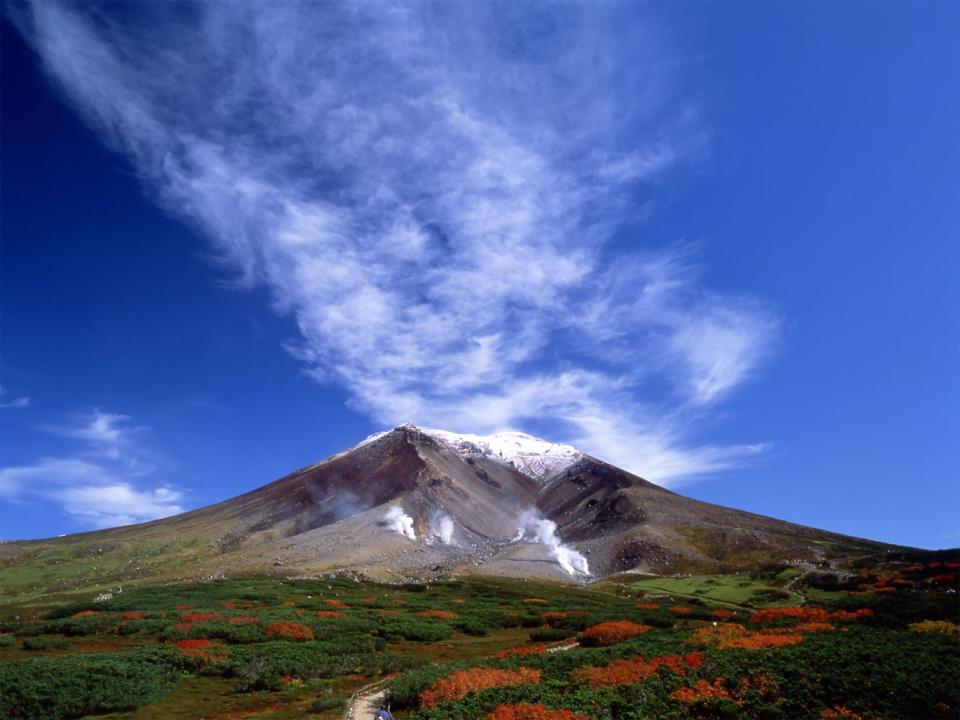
(532, 456)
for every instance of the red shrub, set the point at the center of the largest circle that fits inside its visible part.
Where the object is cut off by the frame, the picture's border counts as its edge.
(336, 604)
(648, 606)
(438, 614)
(458, 684)
(534, 601)
(132, 615)
(289, 630)
(702, 690)
(199, 617)
(803, 614)
(723, 614)
(681, 610)
(526, 711)
(329, 614)
(84, 613)
(209, 651)
(243, 620)
(611, 633)
(628, 672)
(734, 635)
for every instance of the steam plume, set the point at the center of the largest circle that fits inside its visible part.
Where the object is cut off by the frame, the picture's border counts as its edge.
(441, 526)
(544, 531)
(400, 522)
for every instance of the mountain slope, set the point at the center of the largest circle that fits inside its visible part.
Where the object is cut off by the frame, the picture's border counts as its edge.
(419, 502)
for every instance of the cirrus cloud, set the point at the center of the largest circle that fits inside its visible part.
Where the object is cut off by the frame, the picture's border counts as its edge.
(430, 191)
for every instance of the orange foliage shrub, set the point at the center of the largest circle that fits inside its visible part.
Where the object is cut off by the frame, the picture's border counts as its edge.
(209, 651)
(84, 613)
(529, 650)
(336, 604)
(626, 672)
(130, 615)
(329, 614)
(681, 610)
(534, 601)
(648, 606)
(734, 635)
(458, 601)
(184, 607)
(438, 614)
(611, 633)
(807, 614)
(723, 614)
(702, 690)
(458, 684)
(191, 618)
(550, 616)
(803, 614)
(840, 712)
(243, 620)
(814, 627)
(526, 711)
(289, 630)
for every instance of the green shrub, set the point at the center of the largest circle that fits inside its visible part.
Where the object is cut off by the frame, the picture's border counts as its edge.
(44, 643)
(7, 640)
(415, 629)
(87, 684)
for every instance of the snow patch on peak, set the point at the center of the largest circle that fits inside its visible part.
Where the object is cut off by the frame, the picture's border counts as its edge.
(532, 456)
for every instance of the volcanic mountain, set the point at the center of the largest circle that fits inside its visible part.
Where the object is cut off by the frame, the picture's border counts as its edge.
(416, 502)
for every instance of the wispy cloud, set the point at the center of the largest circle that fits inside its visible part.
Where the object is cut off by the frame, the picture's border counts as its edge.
(103, 483)
(430, 191)
(13, 402)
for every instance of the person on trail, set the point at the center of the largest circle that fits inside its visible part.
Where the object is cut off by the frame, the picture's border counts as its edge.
(383, 714)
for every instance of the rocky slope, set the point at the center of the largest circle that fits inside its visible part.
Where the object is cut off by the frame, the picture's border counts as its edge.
(420, 502)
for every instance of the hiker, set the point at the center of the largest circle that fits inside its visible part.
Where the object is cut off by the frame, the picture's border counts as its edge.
(383, 714)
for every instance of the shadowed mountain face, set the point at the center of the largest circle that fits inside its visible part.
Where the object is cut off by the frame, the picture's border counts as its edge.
(416, 502)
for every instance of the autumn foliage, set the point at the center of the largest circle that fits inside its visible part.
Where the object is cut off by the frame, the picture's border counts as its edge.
(289, 630)
(611, 633)
(807, 614)
(209, 651)
(634, 670)
(329, 614)
(733, 635)
(336, 604)
(527, 711)
(438, 614)
(458, 684)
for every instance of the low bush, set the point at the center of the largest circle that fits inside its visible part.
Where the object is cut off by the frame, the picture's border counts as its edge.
(88, 684)
(44, 643)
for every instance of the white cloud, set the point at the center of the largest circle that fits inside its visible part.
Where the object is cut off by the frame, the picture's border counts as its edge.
(429, 192)
(107, 433)
(16, 402)
(100, 488)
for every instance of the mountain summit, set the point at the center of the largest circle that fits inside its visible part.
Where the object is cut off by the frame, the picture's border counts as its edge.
(420, 502)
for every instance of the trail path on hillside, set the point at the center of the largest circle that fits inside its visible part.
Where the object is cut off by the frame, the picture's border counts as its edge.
(365, 702)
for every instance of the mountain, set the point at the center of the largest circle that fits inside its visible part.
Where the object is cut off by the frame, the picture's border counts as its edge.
(416, 502)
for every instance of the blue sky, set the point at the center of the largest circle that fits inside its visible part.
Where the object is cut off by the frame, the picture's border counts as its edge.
(714, 243)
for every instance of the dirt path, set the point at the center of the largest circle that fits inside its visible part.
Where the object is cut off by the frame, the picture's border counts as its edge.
(365, 702)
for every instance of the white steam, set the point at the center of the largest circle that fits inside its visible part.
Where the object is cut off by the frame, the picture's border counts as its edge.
(400, 522)
(441, 527)
(533, 526)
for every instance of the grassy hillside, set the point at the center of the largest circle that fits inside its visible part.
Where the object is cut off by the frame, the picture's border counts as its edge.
(880, 642)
